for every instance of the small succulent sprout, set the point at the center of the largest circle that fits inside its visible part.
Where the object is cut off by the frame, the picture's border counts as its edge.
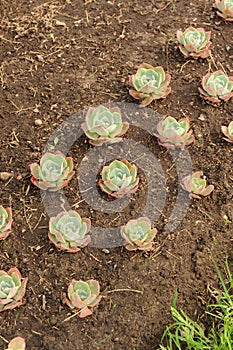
(17, 343)
(5, 222)
(104, 125)
(68, 231)
(194, 42)
(225, 8)
(119, 178)
(228, 132)
(195, 184)
(172, 133)
(12, 289)
(54, 171)
(138, 234)
(217, 87)
(149, 83)
(83, 296)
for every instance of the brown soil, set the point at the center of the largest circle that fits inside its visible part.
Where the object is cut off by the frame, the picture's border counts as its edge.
(58, 57)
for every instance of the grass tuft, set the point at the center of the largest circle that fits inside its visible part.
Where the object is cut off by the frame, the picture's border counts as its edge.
(186, 334)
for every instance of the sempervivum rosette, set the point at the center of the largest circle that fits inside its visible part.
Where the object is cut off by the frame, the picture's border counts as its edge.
(104, 125)
(83, 296)
(194, 42)
(54, 171)
(68, 231)
(138, 234)
(12, 289)
(149, 83)
(172, 133)
(217, 87)
(225, 9)
(196, 185)
(119, 178)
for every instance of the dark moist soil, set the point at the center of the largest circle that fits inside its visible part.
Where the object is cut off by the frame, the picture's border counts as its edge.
(57, 58)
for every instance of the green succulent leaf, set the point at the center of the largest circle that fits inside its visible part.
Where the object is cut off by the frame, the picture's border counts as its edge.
(228, 132)
(194, 38)
(17, 343)
(5, 222)
(4, 217)
(148, 80)
(82, 289)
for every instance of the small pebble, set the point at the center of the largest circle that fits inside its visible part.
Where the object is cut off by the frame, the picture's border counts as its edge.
(38, 122)
(4, 176)
(40, 58)
(202, 117)
(106, 251)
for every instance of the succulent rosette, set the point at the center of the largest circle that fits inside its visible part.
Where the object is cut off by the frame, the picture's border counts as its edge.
(194, 42)
(228, 132)
(104, 125)
(138, 234)
(196, 185)
(83, 296)
(5, 222)
(12, 289)
(17, 343)
(54, 171)
(217, 87)
(119, 178)
(225, 8)
(149, 83)
(68, 231)
(172, 133)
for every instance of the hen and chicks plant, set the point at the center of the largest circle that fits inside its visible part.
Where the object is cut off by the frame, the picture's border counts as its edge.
(68, 231)
(225, 9)
(196, 185)
(149, 83)
(138, 234)
(54, 171)
(83, 296)
(12, 289)
(104, 125)
(217, 87)
(119, 178)
(174, 134)
(194, 42)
